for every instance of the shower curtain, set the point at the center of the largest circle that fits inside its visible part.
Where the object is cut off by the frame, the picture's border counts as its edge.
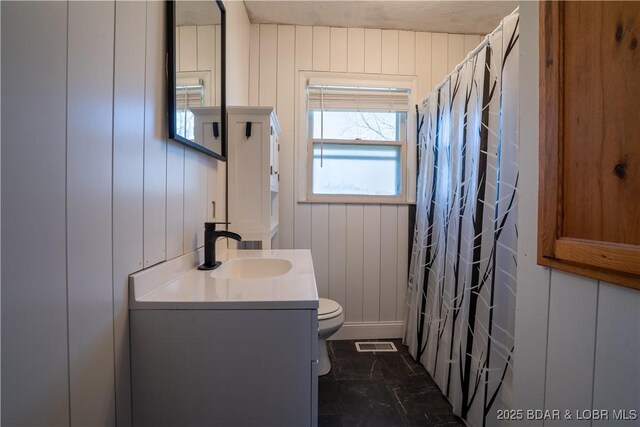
(462, 279)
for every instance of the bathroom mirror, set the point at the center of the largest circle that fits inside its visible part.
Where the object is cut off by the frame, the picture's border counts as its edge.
(196, 75)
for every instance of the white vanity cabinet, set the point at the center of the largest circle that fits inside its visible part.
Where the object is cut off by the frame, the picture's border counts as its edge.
(216, 348)
(253, 181)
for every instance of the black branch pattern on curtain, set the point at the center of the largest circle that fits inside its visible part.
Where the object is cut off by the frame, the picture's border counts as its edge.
(462, 205)
(430, 256)
(463, 276)
(497, 231)
(476, 281)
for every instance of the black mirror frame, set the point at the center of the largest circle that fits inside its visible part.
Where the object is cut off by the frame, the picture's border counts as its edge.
(171, 83)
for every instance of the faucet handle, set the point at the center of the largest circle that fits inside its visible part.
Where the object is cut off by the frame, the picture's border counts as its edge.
(212, 225)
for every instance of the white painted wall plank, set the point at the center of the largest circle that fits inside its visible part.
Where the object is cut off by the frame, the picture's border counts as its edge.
(320, 247)
(207, 43)
(439, 58)
(455, 51)
(254, 64)
(471, 42)
(217, 71)
(191, 199)
(35, 376)
(355, 50)
(355, 255)
(89, 204)
(201, 209)
(303, 61)
(177, 47)
(285, 108)
(128, 164)
(423, 64)
(338, 50)
(338, 253)
(388, 261)
(188, 48)
(268, 66)
(573, 305)
(407, 52)
(321, 48)
(532, 295)
(617, 364)
(155, 139)
(371, 264)
(389, 52)
(175, 199)
(372, 51)
(402, 266)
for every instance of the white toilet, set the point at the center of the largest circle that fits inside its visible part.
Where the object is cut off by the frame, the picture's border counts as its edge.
(330, 319)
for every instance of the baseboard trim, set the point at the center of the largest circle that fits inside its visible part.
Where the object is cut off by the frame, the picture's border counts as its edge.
(369, 330)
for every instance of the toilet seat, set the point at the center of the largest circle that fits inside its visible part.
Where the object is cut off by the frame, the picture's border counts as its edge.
(328, 309)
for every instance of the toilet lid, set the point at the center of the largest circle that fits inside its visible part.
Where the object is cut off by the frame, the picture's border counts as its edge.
(327, 306)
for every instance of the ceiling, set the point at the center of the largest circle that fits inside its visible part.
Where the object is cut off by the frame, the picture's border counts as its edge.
(197, 13)
(442, 16)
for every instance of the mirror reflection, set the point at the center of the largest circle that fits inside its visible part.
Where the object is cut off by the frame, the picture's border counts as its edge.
(198, 76)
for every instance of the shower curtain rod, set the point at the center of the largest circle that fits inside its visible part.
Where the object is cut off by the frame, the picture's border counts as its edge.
(470, 55)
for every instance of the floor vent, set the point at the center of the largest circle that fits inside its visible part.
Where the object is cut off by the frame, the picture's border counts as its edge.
(375, 346)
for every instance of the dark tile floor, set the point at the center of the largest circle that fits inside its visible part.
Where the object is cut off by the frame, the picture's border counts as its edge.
(379, 389)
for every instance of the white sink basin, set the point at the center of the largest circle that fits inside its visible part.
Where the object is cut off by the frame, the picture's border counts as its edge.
(252, 268)
(247, 279)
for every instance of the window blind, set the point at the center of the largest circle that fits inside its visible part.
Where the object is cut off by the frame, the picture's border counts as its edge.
(189, 93)
(341, 98)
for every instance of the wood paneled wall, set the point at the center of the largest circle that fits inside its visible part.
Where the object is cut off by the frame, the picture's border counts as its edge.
(360, 252)
(92, 191)
(577, 340)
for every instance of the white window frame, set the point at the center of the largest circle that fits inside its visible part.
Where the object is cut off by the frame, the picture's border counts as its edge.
(305, 143)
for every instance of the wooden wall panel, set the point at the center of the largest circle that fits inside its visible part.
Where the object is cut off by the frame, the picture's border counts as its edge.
(389, 52)
(355, 263)
(371, 264)
(573, 307)
(320, 247)
(338, 253)
(303, 61)
(439, 58)
(338, 49)
(455, 51)
(268, 64)
(402, 261)
(617, 355)
(423, 64)
(285, 109)
(155, 139)
(35, 374)
(321, 48)
(254, 65)
(388, 261)
(207, 44)
(372, 51)
(532, 294)
(355, 58)
(175, 199)
(89, 204)
(128, 163)
(192, 226)
(188, 48)
(407, 52)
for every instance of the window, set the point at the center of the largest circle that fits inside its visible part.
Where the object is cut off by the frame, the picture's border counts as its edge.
(189, 93)
(356, 136)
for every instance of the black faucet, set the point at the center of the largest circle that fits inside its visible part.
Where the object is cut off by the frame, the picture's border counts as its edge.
(210, 237)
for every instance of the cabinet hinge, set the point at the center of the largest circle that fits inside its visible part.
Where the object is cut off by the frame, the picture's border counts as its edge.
(271, 130)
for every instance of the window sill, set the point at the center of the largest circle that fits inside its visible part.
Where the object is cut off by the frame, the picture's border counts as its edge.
(351, 200)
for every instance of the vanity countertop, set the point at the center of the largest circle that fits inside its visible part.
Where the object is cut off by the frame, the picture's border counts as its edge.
(178, 284)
